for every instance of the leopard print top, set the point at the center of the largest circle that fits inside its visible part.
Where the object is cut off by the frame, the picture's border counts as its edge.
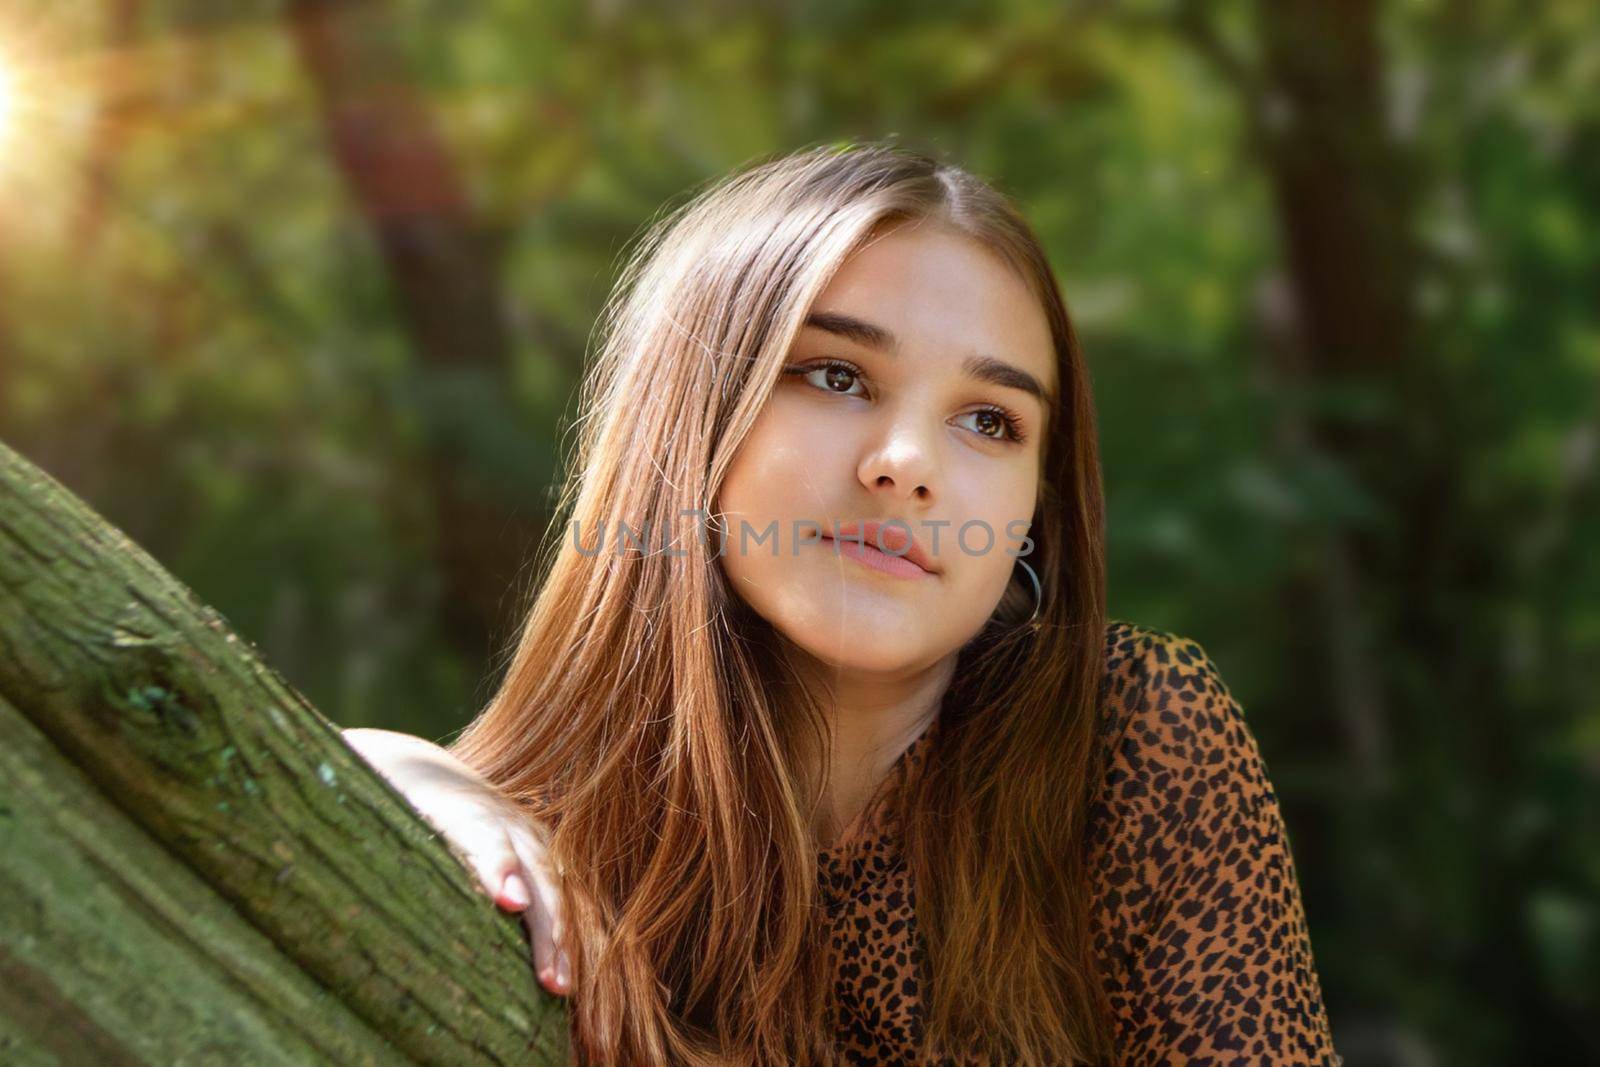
(1199, 928)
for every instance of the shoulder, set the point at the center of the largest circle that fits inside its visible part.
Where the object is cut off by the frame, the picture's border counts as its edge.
(1180, 774)
(1161, 693)
(1198, 918)
(1182, 786)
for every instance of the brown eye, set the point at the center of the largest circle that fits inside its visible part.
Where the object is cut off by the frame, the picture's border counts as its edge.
(995, 424)
(838, 378)
(841, 379)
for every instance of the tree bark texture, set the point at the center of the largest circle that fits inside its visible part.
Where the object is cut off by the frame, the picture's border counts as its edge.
(197, 868)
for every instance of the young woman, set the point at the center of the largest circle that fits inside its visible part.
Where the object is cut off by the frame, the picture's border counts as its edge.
(817, 746)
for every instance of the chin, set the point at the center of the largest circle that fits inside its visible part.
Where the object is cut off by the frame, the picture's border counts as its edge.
(852, 625)
(863, 641)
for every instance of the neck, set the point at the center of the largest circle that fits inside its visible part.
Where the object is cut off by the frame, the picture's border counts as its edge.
(873, 718)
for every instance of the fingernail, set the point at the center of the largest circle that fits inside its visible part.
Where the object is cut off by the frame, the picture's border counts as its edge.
(563, 974)
(516, 891)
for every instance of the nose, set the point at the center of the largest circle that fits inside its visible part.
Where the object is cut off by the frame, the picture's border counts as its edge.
(901, 461)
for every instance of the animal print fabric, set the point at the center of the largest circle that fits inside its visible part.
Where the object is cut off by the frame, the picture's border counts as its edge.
(1199, 929)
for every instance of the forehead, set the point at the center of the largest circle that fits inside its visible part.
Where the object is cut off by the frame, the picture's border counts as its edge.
(942, 293)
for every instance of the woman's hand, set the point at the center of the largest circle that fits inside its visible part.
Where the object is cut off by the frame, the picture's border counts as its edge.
(501, 844)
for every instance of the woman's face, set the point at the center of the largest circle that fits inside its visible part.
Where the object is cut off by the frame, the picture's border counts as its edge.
(909, 400)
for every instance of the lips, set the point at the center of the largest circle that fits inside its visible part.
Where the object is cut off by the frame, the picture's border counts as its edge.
(894, 538)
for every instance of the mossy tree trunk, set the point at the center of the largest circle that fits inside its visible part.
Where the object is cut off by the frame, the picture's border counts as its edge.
(196, 868)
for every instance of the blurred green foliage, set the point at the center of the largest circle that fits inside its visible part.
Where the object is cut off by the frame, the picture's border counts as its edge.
(1383, 527)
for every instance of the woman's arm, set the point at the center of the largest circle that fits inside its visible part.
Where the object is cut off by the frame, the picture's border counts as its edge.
(491, 835)
(1202, 929)
(390, 751)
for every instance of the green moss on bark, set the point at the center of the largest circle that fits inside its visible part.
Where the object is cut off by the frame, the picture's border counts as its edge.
(217, 763)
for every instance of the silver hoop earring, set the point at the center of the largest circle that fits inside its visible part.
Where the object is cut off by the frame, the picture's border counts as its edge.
(1038, 590)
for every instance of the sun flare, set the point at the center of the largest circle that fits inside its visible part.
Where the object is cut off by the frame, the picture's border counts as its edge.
(8, 101)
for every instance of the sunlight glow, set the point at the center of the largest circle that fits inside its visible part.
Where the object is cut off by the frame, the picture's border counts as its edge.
(8, 101)
(34, 137)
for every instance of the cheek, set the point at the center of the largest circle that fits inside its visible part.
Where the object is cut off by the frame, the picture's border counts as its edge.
(996, 510)
(997, 504)
(774, 479)
(978, 568)
(780, 470)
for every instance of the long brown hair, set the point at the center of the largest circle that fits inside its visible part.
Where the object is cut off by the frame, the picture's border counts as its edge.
(647, 718)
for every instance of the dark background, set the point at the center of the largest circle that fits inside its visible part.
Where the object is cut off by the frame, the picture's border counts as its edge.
(298, 294)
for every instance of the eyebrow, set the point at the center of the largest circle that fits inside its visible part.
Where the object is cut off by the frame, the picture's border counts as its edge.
(979, 368)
